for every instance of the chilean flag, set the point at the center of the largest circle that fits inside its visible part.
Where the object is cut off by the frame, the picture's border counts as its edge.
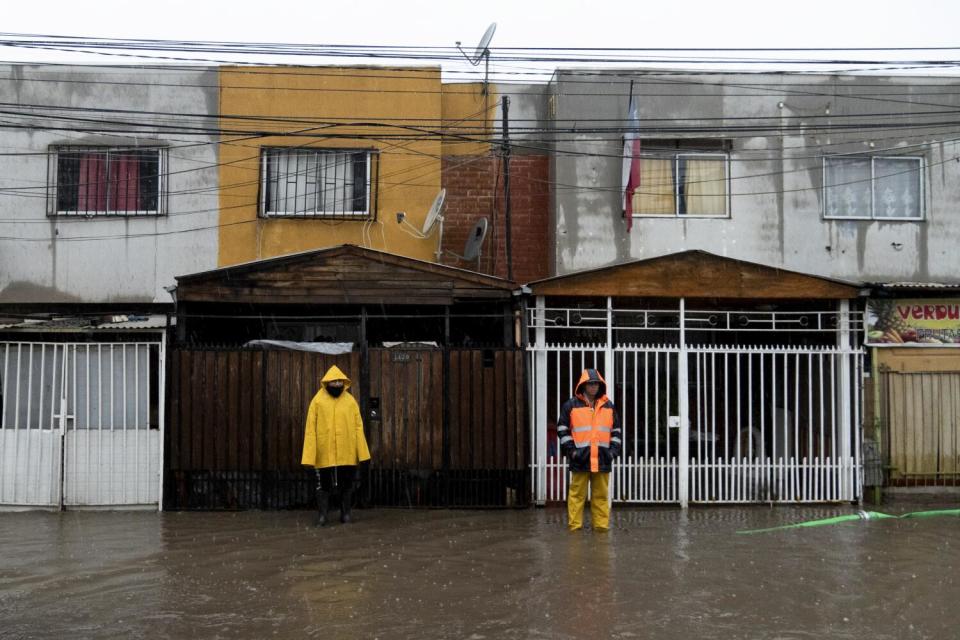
(631, 160)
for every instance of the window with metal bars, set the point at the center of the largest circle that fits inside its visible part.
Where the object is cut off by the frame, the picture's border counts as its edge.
(318, 183)
(106, 181)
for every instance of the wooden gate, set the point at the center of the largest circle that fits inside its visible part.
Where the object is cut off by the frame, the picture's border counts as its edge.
(446, 427)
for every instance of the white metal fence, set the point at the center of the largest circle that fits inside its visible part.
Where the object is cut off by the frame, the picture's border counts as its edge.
(710, 423)
(81, 423)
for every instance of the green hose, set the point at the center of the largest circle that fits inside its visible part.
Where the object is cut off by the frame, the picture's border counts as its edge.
(930, 514)
(860, 515)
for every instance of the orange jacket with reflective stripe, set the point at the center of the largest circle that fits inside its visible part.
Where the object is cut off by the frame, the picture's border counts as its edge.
(590, 434)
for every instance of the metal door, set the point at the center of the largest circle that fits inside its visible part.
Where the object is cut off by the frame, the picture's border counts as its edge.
(81, 424)
(648, 395)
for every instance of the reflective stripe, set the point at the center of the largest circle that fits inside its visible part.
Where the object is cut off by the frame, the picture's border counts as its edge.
(579, 429)
(582, 445)
(604, 429)
(616, 439)
(566, 439)
(603, 444)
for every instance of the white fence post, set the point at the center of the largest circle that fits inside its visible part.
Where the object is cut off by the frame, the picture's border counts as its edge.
(683, 442)
(540, 402)
(846, 430)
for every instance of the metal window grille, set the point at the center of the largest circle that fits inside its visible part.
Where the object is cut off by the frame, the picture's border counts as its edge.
(873, 187)
(318, 183)
(106, 181)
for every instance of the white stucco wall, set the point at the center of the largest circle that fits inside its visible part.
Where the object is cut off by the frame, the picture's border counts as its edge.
(109, 259)
(776, 196)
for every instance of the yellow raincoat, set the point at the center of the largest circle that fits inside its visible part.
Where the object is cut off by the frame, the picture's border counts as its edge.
(334, 432)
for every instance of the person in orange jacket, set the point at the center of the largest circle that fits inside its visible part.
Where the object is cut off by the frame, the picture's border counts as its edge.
(333, 443)
(590, 438)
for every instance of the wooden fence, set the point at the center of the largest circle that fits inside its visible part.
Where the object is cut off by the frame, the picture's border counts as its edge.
(445, 427)
(922, 415)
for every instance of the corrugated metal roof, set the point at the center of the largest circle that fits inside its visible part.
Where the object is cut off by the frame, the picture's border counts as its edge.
(919, 285)
(73, 324)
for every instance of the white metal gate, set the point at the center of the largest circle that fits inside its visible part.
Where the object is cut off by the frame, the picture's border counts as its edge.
(82, 423)
(725, 423)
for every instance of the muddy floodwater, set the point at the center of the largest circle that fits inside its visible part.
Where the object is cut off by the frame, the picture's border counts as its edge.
(659, 573)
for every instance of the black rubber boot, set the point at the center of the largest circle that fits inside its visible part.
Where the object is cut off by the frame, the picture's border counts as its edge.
(346, 501)
(323, 505)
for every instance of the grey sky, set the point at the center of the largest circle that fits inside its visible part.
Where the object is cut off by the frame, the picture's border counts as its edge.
(554, 23)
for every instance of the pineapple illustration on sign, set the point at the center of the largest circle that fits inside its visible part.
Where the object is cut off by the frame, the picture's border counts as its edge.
(884, 322)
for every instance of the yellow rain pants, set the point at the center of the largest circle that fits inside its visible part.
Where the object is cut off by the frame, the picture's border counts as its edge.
(599, 503)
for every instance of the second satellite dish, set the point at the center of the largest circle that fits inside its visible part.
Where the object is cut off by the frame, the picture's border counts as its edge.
(475, 240)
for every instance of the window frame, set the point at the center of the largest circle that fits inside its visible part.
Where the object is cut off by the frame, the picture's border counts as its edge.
(675, 156)
(54, 187)
(370, 191)
(921, 191)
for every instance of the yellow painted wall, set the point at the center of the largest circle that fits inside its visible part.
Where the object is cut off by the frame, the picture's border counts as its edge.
(329, 102)
(469, 114)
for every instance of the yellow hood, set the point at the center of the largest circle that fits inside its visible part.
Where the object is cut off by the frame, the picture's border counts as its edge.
(334, 373)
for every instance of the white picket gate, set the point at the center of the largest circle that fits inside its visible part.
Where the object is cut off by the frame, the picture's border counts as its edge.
(732, 423)
(82, 423)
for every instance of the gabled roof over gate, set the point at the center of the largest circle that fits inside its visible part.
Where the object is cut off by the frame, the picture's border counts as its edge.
(695, 274)
(346, 274)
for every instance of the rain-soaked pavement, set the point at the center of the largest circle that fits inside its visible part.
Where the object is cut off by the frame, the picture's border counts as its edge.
(659, 573)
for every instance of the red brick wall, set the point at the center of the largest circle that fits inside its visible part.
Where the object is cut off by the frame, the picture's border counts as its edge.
(474, 187)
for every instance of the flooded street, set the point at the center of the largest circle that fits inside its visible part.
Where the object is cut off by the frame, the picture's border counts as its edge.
(659, 573)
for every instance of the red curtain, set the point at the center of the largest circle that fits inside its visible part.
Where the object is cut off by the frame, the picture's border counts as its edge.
(124, 182)
(109, 182)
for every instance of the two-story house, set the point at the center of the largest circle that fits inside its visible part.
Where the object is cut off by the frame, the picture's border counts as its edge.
(732, 293)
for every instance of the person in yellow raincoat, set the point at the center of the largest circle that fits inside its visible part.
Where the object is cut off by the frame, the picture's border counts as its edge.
(333, 442)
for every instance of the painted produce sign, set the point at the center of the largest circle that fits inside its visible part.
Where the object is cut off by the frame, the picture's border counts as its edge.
(933, 322)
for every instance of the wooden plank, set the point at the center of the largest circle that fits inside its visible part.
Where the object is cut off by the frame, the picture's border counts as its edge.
(218, 399)
(951, 463)
(196, 417)
(436, 400)
(499, 410)
(465, 425)
(257, 391)
(914, 424)
(456, 405)
(209, 402)
(511, 420)
(232, 383)
(244, 410)
(490, 414)
(174, 427)
(271, 410)
(952, 426)
(918, 359)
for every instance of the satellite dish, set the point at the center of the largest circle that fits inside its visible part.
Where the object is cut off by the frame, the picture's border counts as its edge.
(482, 52)
(482, 46)
(475, 240)
(433, 215)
